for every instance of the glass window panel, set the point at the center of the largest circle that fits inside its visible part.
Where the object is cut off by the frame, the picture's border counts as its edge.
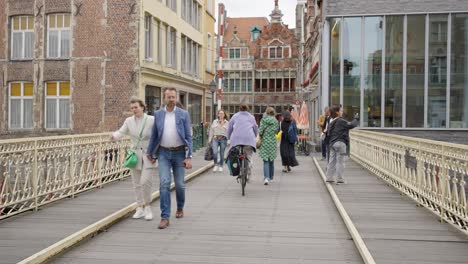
(17, 48)
(59, 21)
(16, 23)
(459, 72)
(53, 43)
(67, 21)
(30, 23)
(24, 23)
(28, 89)
(15, 113)
(352, 66)
(393, 71)
(52, 23)
(64, 113)
(51, 113)
(15, 89)
(28, 113)
(51, 89)
(335, 43)
(437, 93)
(65, 44)
(415, 71)
(28, 45)
(64, 89)
(373, 27)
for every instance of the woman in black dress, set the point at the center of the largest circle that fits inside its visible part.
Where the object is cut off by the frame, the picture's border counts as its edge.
(288, 156)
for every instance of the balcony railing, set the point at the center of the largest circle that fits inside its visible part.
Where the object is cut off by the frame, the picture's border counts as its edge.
(432, 173)
(35, 172)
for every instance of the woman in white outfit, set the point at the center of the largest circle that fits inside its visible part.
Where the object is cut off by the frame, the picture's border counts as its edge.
(142, 174)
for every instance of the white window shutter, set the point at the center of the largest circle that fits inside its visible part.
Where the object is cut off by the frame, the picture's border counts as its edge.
(51, 113)
(64, 113)
(28, 45)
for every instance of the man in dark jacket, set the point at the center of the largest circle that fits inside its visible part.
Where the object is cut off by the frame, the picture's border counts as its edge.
(337, 139)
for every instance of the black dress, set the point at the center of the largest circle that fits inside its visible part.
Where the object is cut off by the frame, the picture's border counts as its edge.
(288, 156)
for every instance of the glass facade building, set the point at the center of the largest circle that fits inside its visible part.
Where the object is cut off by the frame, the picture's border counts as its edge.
(399, 71)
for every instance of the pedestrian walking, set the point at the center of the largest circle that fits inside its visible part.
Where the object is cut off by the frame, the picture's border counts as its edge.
(322, 123)
(171, 144)
(268, 129)
(218, 139)
(139, 127)
(337, 139)
(288, 154)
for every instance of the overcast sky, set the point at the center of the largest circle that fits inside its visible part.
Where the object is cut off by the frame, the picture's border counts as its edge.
(258, 8)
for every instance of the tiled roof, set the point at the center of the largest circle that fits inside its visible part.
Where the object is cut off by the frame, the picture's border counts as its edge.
(244, 25)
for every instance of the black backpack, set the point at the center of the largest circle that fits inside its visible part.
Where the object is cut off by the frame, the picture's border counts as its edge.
(233, 161)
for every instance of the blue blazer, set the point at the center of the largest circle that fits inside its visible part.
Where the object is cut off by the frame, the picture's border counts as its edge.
(182, 119)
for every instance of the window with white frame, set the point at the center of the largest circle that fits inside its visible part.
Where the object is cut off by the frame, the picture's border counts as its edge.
(148, 37)
(209, 53)
(58, 36)
(190, 56)
(276, 52)
(22, 37)
(171, 47)
(209, 6)
(159, 54)
(172, 4)
(20, 107)
(234, 53)
(57, 105)
(191, 12)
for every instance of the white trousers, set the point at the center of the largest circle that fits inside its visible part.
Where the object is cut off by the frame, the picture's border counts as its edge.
(143, 184)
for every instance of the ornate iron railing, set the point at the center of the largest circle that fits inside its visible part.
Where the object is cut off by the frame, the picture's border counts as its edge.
(35, 172)
(432, 173)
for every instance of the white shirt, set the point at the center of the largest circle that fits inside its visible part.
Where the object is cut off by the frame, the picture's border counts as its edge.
(170, 138)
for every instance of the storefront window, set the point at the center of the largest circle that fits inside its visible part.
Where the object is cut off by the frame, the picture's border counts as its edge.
(437, 100)
(415, 71)
(194, 108)
(393, 70)
(335, 43)
(352, 66)
(459, 72)
(372, 71)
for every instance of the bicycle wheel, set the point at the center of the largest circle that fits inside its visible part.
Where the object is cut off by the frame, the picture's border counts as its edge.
(243, 176)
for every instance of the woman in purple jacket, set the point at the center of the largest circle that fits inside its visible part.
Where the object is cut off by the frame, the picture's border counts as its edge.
(243, 130)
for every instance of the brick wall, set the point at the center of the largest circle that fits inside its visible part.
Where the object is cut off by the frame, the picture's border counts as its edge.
(340, 7)
(102, 70)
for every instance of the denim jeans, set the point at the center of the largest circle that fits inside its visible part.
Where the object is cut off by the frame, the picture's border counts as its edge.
(171, 159)
(336, 163)
(268, 169)
(324, 149)
(222, 145)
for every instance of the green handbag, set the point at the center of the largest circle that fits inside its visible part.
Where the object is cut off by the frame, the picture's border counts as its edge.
(131, 159)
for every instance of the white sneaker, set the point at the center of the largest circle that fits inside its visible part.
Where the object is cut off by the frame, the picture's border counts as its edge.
(148, 213)
(215, 169)
(220, 169)
(270, 181)
(139, 213)
(265, 182)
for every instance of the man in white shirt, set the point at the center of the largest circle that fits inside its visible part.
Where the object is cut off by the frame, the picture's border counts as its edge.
(171, 144)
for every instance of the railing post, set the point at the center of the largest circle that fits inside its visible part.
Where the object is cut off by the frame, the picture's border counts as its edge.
(72, 167)
(99, 162)
(35, 178)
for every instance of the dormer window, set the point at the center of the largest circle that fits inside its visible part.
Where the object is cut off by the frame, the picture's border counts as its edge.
(255, 33)
(276, 52)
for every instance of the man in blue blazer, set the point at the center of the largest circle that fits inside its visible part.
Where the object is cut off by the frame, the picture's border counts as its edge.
(171, 144)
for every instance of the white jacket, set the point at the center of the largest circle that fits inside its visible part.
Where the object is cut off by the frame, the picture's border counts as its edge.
(132, 128)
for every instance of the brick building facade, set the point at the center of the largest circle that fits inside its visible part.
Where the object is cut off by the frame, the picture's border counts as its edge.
(259, 64)
(66, 67)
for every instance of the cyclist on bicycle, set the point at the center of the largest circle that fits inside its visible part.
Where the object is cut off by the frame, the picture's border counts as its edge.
(243, 131)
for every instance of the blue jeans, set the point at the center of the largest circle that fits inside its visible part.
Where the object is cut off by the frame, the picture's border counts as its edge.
(268, 169)
(222, 145)
(324, 149)
(167, 160)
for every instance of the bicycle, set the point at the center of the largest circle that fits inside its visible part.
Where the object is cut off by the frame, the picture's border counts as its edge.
(244, 168)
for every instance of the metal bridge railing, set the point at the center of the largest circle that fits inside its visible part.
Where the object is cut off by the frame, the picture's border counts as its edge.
(432, 173)
(35, 172)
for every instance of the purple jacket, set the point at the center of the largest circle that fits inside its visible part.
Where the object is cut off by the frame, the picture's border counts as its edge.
(242, 129)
